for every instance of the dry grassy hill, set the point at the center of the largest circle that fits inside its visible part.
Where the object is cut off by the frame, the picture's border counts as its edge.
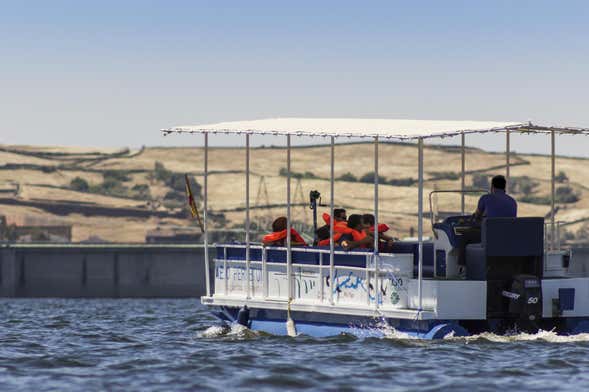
(125, 196)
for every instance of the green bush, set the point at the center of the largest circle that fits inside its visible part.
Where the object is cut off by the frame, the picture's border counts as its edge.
(444, 175)
(561, 177)
(408, 181)
(543, 200)
(284, 173)
(176, 181)
(176, 196)
(481, 181)
(160, 173)
(369, 178)
(79, 184)
(141, 191)
(195, 186)
(524, 185)
(116, 175)
(565, 194)
(347, 177)
(111, 187)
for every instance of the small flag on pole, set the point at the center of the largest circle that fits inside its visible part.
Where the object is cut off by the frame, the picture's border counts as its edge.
(192, 203)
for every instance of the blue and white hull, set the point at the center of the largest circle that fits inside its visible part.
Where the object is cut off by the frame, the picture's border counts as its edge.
(511, 284)
(325, 325)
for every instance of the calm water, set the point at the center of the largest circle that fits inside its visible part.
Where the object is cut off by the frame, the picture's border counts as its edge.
(161, 345)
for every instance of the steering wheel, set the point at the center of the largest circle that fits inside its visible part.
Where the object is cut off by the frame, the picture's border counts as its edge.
(473, 220)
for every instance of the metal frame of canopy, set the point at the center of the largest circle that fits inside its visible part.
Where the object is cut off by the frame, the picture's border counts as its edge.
(397, 134)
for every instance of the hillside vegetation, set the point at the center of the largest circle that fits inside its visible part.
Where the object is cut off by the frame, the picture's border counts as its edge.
(118, 195)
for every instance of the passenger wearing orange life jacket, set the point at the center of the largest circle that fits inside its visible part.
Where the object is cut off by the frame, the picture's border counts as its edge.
(340, 222)
(323, 235)
(278, 235)
(385, 241)
(340, 226)
(355, 235)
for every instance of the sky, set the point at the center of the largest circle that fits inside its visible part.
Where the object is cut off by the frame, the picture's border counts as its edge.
(112, 73)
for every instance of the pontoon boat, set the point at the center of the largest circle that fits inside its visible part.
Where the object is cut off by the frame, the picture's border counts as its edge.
(513, 278)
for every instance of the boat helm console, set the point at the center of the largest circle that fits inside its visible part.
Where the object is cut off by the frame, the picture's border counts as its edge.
(449, 236)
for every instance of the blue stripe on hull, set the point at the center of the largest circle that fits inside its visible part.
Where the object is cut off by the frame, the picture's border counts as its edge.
(439, 331)
(315, 330)
(307, 323)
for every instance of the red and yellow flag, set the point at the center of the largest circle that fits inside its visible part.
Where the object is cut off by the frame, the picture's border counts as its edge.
(192, 203)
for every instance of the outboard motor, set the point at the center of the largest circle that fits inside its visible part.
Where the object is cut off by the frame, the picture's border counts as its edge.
(525, 297)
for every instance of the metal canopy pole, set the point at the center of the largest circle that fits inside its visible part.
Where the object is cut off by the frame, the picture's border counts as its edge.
(552, 190)
(288, 222)
(420, 221)
(331, 222)
(507, 156)
(462, 170)
(247, 215)
(205, 215)
(375, 233)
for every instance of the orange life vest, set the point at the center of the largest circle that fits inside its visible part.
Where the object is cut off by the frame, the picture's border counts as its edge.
(277, 236)
(325, 242)
(338, 226)
(356, 236)
(381, 228)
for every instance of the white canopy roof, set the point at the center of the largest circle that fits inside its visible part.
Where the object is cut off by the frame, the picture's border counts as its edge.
(357, 127)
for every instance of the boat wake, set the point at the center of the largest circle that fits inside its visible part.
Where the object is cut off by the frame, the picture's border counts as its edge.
(542, 336)
(235, 331)
(238, 331)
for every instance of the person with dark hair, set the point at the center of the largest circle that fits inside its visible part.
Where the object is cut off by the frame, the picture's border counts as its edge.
(340, 218)
(385, 241)
(340, 214)
(355, 235)
(340, 226)
(323, 235)
(279, 233)
(497, 203)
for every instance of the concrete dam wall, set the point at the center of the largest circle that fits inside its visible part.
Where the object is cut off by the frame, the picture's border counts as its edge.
(111, 271)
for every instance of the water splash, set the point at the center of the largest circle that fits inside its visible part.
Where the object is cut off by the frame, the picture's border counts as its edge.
(541, 335)
(384, 330)
(213, 332)
(394, 334)
(232, 331)
(389, 332)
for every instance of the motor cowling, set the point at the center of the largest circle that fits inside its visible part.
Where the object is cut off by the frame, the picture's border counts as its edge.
(525, 297)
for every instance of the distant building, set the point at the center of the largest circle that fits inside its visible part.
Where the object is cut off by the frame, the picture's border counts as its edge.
(34, 233)
(59, 233)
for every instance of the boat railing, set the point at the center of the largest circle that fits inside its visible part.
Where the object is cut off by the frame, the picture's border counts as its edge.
(354, 284)
(549, 228)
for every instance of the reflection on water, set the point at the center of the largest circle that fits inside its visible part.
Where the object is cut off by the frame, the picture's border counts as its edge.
(49, 344)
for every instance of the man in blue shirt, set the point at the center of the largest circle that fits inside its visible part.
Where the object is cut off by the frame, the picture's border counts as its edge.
(497, 203)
